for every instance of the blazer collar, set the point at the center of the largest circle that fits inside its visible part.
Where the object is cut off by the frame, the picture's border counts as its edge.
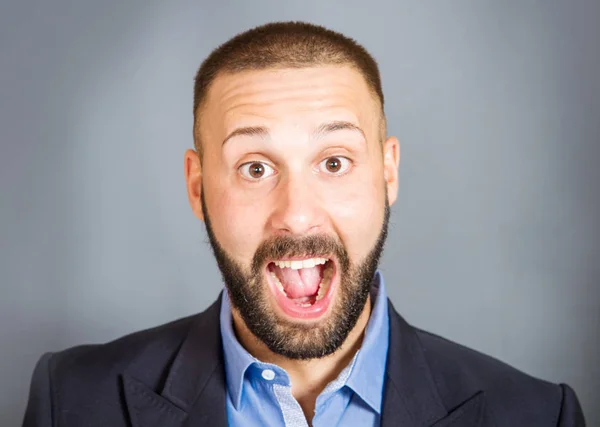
(194, 392)
(411, 397)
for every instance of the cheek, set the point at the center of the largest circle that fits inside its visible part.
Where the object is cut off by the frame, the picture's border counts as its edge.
(238, 224)
(357, 213)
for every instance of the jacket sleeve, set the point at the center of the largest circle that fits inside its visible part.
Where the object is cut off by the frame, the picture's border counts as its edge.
(39, 404)
(571, 414)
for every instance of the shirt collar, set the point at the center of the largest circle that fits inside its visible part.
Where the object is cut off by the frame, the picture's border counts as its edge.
(366, 377)
(237, 359)
(368, 372)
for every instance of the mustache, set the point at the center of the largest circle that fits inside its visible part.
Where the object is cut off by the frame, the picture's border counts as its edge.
(315, 245)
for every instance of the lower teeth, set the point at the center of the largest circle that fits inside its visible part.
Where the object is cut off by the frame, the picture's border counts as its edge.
(323, 288)
(278, 283)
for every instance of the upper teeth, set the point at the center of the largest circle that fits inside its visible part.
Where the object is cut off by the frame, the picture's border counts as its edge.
(298, 264)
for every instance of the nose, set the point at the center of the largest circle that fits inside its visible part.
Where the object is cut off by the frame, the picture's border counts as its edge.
(298, 209)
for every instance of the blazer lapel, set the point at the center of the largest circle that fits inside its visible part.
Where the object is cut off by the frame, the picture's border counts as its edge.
(194, 392)
(147, 408)
(410, 396)
(470, 413)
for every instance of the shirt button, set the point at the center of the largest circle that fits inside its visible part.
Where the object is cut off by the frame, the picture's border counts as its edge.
(268, 374)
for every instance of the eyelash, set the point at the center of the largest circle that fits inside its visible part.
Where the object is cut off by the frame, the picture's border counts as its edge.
(342, 158)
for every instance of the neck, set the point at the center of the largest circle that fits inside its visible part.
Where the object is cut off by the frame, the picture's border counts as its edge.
(308, 377)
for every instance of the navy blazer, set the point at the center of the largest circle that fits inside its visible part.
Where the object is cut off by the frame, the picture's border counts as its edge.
(173, 376)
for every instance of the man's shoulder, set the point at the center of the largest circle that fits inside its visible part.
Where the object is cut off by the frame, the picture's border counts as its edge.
(123, 349)
(147, 352)
(94, 380)
(460, 371)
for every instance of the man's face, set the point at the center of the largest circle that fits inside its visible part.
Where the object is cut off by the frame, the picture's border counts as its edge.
(295, 187)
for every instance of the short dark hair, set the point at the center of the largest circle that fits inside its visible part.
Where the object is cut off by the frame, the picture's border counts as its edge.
(283, 45)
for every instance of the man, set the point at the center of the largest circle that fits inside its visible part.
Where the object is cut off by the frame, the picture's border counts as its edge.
(293, 175)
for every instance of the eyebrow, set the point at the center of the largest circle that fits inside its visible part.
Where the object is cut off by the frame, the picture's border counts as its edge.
(319, 132)
(260, 131)
(337, 125)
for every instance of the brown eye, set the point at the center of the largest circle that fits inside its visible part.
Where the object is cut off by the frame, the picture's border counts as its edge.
(255, 171)
(336, 165)
(333, 164)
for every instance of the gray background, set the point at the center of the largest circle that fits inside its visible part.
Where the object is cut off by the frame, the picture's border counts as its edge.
(494, 240)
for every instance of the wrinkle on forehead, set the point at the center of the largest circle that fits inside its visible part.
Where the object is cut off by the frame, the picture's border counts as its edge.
(339, 91)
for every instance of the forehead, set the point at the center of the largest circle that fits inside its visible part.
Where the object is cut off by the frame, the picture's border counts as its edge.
(300, 96)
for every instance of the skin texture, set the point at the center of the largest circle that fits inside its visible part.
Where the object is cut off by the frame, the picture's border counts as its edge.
(297, 197)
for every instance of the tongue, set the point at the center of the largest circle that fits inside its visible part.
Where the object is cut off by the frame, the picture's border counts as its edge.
(299, 283)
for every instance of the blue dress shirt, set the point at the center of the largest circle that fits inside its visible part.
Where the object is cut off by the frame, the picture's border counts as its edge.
(259, 394)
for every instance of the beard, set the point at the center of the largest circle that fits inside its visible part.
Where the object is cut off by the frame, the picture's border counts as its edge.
(249, 291)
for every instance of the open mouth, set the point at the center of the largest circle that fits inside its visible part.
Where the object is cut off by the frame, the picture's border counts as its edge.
(303, 288)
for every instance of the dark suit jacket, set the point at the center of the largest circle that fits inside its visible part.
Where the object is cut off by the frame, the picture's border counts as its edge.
(173, 376)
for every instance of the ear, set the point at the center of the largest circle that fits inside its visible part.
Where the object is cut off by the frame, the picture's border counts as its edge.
(391, 161)
(192, 169)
